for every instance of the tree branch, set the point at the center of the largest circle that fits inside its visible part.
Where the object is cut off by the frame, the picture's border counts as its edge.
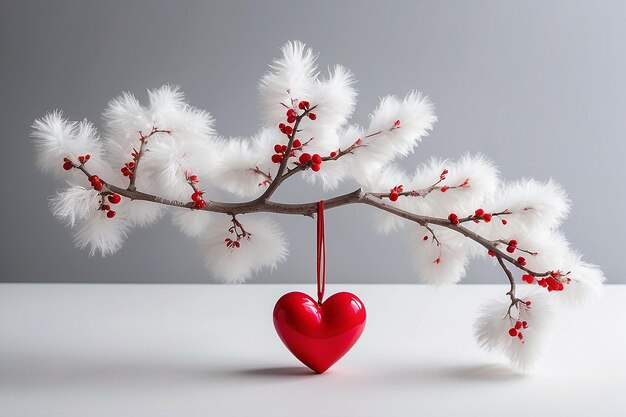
(310, 208)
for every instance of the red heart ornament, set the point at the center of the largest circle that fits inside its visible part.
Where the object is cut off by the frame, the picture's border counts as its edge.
(319, 335)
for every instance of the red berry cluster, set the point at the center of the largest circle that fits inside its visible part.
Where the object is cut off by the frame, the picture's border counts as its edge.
(68, 164)
(292, 116)
(96, 183)
(454, 218)
(304, 105)
(196, 197)
(527, 278)
(314, 160)
(479, 214)
(127, 169)
(281, 150)
(395, 192)
(516, 330)
(521, 260)
(113, 199)
(232, 243)
(512, 246)
(198, 201)
(554, 282)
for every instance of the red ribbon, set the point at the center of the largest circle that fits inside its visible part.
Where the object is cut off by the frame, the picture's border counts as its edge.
(321, 253)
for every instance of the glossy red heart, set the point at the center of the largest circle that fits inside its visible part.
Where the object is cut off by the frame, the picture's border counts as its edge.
(319, 335)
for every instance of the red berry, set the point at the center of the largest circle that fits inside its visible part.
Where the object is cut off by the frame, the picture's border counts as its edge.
(518, 325)
(97, 186)
(199, 204)
(87, 157)
(528, 303)
(520, 335)
(291, 112)
(305, 158)
(525, 324)
(479, 212)
(131, 165)
(115, 198)
(504, 221)
(303, 105)
(278, 148)
(281, 126)
(528, 278)
(393, 196)
(81, 159)
(67, 165)
(197, 196)
(521, 260)
(316, 167)
(513, 242)
(444, 188)
(425, 238)
(297, 143)
(291, 119)
(512, 332)
(491, 253)
(288, 130)
(312, 116)
(487, 217)
(317, 159)
(276, 159)
(94, 178)
(333, 154)
(111, 214)
(106, 207)
(510, 249)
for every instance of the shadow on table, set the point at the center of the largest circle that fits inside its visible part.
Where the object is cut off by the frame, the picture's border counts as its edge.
(55, 371)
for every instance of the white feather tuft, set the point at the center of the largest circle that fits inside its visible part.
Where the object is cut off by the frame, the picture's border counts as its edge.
(74, 204)
(492, 330)
(396, 127)
(266, 247)
(533, 204)
(192, 223)
(102, 234)
(235, 170)
(291, 77)
(56, 138)
(586, 283)
(439, 264)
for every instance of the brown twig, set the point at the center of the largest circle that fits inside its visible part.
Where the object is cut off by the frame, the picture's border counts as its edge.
(142, 148)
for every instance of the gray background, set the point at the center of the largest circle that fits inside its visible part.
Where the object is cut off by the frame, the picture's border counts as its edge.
(538, 86)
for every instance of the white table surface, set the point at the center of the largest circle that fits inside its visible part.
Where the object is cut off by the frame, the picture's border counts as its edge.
(193, 350)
